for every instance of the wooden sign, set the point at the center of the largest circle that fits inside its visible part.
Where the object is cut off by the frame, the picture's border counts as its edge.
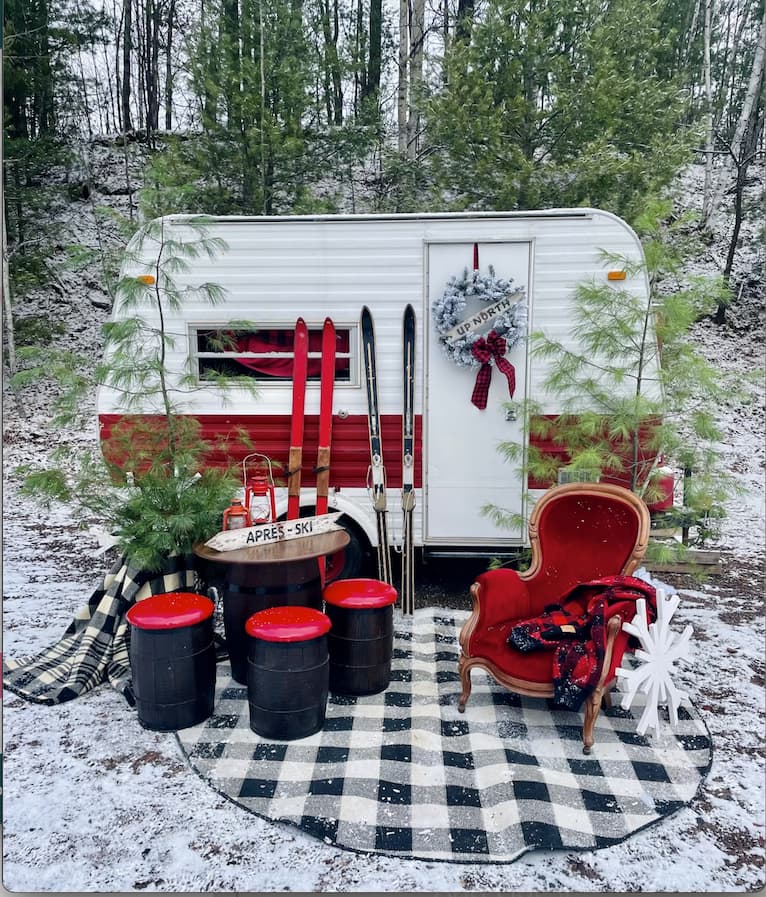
(483, 316)
(279, 531)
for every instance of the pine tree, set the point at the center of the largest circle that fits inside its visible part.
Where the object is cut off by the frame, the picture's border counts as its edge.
(545, 107)
(249, 74)
(150, 485)
(618, 420)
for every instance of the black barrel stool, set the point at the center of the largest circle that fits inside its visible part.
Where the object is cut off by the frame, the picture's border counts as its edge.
(283, 572)
(172, 660)
(287, 671)
(362, 635)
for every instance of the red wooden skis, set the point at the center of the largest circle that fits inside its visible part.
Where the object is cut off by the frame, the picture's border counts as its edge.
(295, 457)
(326, 384)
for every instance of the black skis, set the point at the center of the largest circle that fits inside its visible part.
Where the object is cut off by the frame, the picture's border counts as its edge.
(408, 461)
(376, 474)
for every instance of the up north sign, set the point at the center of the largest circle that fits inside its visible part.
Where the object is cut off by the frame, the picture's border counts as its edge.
(483, 316)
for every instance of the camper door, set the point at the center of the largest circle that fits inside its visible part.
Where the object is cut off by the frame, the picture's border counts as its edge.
(464, 469)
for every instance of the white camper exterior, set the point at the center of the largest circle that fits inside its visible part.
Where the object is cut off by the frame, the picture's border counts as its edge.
(275, 269)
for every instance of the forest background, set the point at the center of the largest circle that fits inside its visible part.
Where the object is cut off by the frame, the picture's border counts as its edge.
(303, 106)
(295, 106)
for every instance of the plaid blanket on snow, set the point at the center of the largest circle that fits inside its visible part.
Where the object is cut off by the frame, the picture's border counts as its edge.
(94, 647)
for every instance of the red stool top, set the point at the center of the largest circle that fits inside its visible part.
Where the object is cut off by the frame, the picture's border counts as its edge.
(360, 593)
(287, 624)
(171, 610)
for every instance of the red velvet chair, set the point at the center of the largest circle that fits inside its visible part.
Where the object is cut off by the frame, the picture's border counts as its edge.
(578, 532)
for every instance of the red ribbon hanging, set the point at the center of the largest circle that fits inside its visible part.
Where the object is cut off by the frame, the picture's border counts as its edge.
(486, 351)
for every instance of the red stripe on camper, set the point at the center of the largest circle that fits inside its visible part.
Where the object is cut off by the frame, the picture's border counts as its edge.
(619, 478)
(232, 436)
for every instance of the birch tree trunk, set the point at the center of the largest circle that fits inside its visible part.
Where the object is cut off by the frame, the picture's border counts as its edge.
(750, 107)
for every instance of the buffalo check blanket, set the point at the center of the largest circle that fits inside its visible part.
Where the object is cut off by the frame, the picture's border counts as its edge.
(94, 647)
(403, 773)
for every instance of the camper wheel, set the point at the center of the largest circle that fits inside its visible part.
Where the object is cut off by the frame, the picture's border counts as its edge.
(351, 561)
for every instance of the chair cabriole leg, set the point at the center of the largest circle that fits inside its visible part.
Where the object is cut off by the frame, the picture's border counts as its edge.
(592, 708)
(465, 679)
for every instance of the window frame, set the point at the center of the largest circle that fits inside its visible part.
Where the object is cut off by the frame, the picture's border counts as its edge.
(264, 381)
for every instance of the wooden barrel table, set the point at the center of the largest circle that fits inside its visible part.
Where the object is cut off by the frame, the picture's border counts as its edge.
(275, 574)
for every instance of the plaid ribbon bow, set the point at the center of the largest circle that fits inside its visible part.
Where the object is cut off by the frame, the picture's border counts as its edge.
(485, 351)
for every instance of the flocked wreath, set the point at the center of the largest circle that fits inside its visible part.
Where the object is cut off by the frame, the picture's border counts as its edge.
(473, 349)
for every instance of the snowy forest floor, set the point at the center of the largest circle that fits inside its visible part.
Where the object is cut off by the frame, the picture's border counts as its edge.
(93, 802)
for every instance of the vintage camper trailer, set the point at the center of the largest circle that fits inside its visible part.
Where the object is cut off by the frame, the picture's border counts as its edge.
(274, 270)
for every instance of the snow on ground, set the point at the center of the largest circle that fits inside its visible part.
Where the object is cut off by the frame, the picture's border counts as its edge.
(93, 802)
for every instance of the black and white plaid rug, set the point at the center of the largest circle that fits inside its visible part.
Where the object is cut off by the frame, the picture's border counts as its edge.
(403, 773)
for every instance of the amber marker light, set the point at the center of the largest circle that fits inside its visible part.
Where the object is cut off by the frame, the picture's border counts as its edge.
(616, 275)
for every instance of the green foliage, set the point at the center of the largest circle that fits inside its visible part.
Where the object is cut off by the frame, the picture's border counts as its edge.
(249, 75)
(29, 198)
(45, 484)
(628, 396)
(549, 105)
(26, 271)
(164, 514)
(180, 178)
(67, 370)
(37, 330)
(206, 173)
(172, 501)
(161, 512)
(114, 231)
(136, 340)
(404, 184)
(150, 483)
(28, 69)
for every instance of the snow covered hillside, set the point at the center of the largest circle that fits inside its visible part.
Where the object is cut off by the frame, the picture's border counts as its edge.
(93, 802)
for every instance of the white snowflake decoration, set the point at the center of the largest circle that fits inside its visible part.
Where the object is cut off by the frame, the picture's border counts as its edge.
(660, 650)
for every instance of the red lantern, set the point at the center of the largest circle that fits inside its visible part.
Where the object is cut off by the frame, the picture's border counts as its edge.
(259, 491)
(236, 515)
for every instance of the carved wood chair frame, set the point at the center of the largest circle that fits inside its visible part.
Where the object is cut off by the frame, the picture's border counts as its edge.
(600, 694)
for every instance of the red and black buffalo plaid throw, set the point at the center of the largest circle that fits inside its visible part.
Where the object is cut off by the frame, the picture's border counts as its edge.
(576, 629)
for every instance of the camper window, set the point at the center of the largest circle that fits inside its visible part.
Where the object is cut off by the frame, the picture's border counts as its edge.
(266, 353)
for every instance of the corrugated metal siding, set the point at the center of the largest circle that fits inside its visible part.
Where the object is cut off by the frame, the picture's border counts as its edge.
(232, 436)
(278, 269)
